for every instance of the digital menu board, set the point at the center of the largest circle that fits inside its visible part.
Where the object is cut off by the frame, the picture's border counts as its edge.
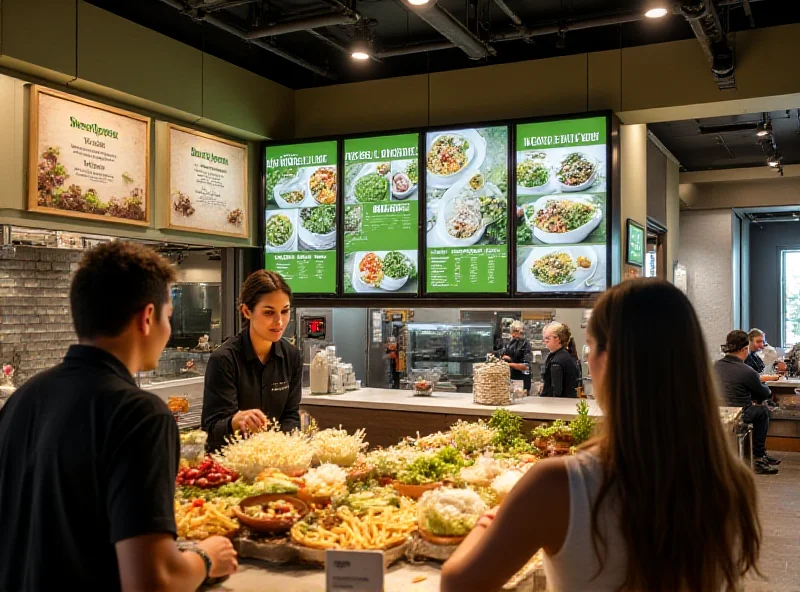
(300, 227)
(381, 214)
(562, 205)
(467, 210)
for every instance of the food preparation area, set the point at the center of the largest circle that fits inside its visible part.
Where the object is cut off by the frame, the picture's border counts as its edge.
(780, 516)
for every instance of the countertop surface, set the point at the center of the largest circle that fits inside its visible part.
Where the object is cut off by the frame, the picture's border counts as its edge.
(791, 382)
(457, 403)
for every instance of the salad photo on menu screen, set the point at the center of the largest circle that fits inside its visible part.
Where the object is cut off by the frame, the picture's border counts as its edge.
(560, 220)
(381, 213)
(300, 219)
(467, 210)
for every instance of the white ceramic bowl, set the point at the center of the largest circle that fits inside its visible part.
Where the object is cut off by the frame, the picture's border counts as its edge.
(539, 189)
(563, 238)
(287, 187)
(580, 275)
(402, 194)
(287, 246)
(583, 186)
(393, 284)
(470, 155)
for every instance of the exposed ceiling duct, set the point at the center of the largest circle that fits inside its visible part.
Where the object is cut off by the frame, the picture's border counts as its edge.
(704, 20)
(412, 49)
(521, 29)
(304, 24)
(342, 15)
(452, 29)
(214, 21)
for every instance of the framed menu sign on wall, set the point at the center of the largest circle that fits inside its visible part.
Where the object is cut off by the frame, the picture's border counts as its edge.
(88, 160)
(301, 183)
(381, 214)
(634, 254)
(208, 183)
(562, 206)
(467, 210)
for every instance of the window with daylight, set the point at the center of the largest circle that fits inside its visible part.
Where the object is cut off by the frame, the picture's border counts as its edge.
(790, 296)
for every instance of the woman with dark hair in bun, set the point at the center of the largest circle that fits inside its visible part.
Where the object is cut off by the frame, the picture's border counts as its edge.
(255, 377)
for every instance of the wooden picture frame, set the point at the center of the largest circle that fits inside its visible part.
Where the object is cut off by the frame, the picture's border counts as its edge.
(245, 234)
(34, 151)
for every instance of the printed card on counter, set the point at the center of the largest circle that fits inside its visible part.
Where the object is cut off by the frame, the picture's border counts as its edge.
(359, 571)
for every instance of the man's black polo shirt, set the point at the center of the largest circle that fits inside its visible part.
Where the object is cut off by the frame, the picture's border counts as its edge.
(87, 459)
(237, 380)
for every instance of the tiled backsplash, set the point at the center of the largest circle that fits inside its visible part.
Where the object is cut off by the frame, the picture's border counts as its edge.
(35, 321)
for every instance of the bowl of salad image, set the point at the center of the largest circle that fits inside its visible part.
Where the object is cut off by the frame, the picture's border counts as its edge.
(290, 194)
(405, 178)
(577, 171)
(372, 184)
(382, 270)
(281, 230)
(322, 185)
(554, 269)
(534, 174)
(561, 219)
(453, 155)
(318, 227)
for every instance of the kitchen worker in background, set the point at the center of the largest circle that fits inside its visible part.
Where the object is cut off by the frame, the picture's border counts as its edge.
(560, 374)
(518, 355)
(757, 343)
(743, 389)
(572, 349)
(257, 375)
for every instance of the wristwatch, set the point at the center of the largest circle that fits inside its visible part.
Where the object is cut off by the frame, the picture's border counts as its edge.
(206, 561)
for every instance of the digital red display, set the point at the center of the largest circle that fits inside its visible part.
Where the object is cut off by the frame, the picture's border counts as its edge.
(315, 328)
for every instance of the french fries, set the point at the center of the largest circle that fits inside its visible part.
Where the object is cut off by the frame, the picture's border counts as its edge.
(379, 528)
(198, 520)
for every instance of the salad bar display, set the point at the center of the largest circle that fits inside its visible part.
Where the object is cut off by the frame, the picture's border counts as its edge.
(288, 497)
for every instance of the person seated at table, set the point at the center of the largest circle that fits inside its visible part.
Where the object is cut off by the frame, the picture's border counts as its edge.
(743, 388)
(757, 343)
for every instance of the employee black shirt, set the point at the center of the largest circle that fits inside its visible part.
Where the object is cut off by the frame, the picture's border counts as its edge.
(87, 459)
(741, 384)
(560, 375)
(237, 380)
(519, 350)
(755, 362)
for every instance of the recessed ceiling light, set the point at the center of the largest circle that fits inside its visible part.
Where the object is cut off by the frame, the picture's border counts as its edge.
(656, 13)
(418, 2)
(359, 55)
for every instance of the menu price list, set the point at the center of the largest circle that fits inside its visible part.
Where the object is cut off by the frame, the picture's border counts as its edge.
(385, 225)
(306, 272)
(468, 270)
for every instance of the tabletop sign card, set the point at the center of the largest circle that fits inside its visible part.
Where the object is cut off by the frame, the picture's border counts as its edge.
(208, 183)
(88, 160)
(354, 571)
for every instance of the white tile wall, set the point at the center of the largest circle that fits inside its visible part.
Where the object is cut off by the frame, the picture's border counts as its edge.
(706, 251)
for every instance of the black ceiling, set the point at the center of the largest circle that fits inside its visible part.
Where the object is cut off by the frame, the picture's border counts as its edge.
(392, 25)
(730, 141)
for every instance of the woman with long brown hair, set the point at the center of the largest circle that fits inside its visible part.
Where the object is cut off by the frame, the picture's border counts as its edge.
(657, 502)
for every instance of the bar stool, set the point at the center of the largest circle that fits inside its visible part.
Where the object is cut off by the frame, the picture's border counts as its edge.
(745, 432)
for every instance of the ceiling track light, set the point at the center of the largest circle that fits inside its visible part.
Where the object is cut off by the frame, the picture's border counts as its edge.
(775, 160)
(764, 129)
(361, 49)
(656, 12)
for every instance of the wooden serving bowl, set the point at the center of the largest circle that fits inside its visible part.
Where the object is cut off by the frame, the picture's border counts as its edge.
(441, 540)
(319, 501)
(273, 525)
(414, 491)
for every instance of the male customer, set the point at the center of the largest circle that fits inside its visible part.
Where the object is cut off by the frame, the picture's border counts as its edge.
(757, 343)
(88, 460)
(743, 388)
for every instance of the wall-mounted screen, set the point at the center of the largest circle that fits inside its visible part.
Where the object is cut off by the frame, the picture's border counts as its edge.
(467, 210)
(562, 200)
(300, 226)
(381, 214)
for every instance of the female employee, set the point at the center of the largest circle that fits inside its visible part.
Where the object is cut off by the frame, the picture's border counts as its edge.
(256, 375)
(518, 356)
(560, 373)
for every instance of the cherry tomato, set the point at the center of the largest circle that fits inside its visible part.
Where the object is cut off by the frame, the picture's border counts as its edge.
(202, 482)
(198, 503)
(193, 474)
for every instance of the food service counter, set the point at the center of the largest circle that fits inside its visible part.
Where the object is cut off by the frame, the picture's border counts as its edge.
(784, 426)
(390, 415)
